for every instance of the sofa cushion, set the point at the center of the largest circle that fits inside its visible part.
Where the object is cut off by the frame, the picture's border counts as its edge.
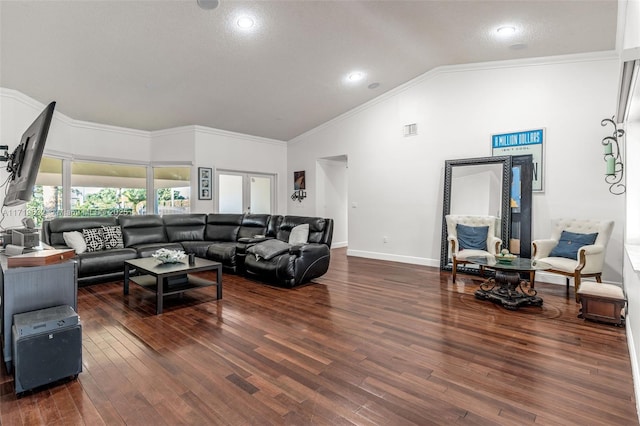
(146, 250)
(570, 243)
(104, 262)
(75, 240)
(197, 247)
(185, 227)
(254, 224)
(223, 252)
(143, 229)
(93, 239)
(223, 227)
(112, 236)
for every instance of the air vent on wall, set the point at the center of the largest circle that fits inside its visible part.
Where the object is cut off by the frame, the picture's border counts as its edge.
(410, 129)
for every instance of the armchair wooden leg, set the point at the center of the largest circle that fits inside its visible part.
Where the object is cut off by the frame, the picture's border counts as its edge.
(599, 278)
(567, 286)
(455, 267)
(532, 279)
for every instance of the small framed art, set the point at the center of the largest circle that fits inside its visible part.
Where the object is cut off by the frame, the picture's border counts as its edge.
(204, 183)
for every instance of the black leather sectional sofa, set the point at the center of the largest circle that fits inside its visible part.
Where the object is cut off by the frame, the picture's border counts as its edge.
(226, 238)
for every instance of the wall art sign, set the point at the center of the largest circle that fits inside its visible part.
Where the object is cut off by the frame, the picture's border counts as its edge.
(522, 143)
(204, 183)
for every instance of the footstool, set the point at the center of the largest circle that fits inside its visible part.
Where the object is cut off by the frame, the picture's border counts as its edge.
(602, 302)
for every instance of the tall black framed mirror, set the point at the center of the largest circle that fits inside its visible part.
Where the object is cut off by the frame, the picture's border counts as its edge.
(521, 200)
(476, 186)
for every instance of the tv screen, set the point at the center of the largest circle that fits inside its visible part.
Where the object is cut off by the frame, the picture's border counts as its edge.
(24, 163)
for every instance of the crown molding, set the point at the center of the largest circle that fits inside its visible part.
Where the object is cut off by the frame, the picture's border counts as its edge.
(448, 69)
(228, 134)
(79, 124)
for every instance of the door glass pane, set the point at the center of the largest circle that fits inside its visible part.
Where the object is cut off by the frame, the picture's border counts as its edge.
(230, 193)
(260, 195)
(173, 189)
(47, 192)
(101, 189)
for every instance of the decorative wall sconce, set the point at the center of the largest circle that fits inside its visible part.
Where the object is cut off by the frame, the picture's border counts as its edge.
(299, 195)
(615, 169)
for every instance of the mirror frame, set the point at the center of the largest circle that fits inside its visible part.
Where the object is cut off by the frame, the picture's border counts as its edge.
(506, 162)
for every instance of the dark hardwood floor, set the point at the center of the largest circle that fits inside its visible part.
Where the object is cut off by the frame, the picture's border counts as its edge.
(370, 342)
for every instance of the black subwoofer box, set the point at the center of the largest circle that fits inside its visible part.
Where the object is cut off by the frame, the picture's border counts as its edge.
(43, 358)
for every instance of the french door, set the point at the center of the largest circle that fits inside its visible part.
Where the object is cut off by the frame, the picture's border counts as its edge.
(241, 192)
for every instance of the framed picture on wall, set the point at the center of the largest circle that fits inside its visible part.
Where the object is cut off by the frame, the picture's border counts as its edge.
(204, 183)
(298, 180)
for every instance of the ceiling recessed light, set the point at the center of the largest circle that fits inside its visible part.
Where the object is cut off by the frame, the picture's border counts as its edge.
(355, 76)
(374, 85)
(208, 4)
(245, 22)
(506, 31)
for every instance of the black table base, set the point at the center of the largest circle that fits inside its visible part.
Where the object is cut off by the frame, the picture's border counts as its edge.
(506, 288)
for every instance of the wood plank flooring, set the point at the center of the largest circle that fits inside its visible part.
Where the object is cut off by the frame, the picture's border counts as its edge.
(369, 343)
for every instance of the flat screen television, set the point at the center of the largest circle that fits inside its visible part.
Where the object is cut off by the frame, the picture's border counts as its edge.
(24, 162)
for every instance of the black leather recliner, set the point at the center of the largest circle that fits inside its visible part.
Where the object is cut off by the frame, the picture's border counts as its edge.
(300, 263)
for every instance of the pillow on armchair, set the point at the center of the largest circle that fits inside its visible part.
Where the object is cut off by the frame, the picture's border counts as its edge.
(570, 243)
(472, 237)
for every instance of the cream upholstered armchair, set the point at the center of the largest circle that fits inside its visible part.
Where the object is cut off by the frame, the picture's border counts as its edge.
(576, 249)
(471, 236)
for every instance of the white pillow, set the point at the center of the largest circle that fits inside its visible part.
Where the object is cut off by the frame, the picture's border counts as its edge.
(75, 240)
(299, 234)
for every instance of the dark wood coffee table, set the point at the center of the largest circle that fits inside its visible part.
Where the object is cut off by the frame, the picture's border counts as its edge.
(171, 278)
(507, 286)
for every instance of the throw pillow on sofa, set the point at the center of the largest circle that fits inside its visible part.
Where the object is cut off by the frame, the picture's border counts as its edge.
(93, 239)
(112, 237)
(75, 240)
(299, 234)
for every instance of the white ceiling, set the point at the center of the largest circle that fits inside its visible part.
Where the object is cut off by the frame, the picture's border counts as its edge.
(154, 65)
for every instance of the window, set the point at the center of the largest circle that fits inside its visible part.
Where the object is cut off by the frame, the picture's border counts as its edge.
(47, 201)
(102, 189)
(172, 186)
(107, 189)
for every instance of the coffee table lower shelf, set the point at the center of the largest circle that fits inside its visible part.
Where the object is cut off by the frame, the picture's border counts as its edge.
(148, 282)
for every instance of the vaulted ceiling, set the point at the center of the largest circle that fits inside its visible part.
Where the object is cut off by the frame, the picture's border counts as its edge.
(154, 65)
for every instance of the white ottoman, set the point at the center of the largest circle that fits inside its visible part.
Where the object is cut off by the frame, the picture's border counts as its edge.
(602, 302)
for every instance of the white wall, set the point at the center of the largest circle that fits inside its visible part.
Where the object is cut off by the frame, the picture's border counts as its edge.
(397, 182)
(332, 195)
(232, 151)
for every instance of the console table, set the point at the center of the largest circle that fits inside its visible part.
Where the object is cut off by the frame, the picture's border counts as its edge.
(25, 289)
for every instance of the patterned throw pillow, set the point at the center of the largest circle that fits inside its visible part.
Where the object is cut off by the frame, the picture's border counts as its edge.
(112, 236)
(93, 239)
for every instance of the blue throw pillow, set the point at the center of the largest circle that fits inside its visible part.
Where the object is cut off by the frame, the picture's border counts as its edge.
(472, 237)
(570, 243)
